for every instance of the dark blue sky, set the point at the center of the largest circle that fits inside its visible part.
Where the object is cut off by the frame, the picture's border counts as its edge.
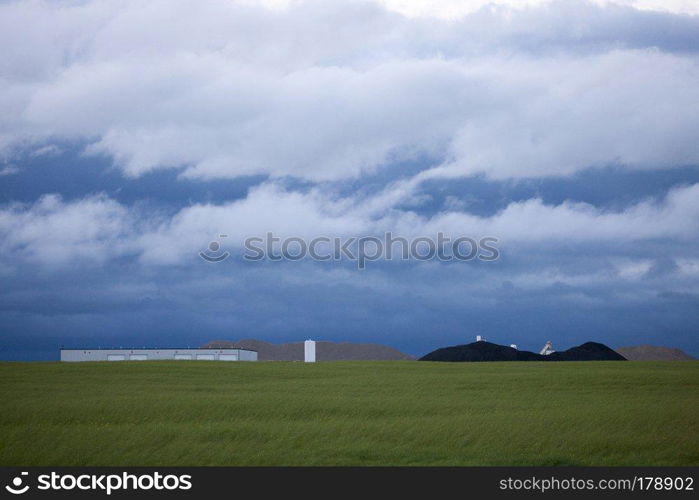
(412, 306)
(568, 131)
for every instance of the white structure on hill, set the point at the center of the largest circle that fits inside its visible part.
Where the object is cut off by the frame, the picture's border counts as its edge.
(547, 349)
(309, 351)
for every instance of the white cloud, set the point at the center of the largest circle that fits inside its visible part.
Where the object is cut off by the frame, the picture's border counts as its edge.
(9, 170)
(454, 9)
(48, 150)
(97, 229)
(451, 9)
(619, 110)
(55, 233)
(326, 91)
(676, 218)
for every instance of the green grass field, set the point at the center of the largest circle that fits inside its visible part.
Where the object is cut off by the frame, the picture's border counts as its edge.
(349, 413)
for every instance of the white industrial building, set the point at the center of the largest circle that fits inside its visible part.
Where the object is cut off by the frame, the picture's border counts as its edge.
(158, 354)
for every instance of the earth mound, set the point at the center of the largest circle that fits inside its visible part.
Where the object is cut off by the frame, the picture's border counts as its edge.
(653, 353)
(589, 351)
(325, 351)
(487, 351)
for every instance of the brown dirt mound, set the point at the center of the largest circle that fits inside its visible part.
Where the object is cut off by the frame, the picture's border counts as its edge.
(325, 351)
(653, 353)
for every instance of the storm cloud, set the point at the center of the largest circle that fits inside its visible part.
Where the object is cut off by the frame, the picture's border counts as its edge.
(132, 135)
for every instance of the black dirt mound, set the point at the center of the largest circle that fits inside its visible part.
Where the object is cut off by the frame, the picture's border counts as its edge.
(486, 351)
(478, 351)
(589, 351)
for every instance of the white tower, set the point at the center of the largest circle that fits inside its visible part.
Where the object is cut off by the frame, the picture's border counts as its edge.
(309, 351)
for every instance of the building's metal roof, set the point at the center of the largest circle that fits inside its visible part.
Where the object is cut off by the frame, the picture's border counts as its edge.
(156, 349)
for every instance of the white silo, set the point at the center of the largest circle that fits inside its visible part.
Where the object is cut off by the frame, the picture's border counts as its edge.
(309, 351)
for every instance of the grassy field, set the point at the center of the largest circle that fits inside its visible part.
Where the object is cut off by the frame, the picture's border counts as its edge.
(349, 413)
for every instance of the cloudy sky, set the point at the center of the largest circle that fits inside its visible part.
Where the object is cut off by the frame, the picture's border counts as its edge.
(134, 133)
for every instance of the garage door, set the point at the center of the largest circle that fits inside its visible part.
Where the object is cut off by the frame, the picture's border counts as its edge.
(115, 357)
(138, 357)
(205, 357)
(183, 356)
(228, 357)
